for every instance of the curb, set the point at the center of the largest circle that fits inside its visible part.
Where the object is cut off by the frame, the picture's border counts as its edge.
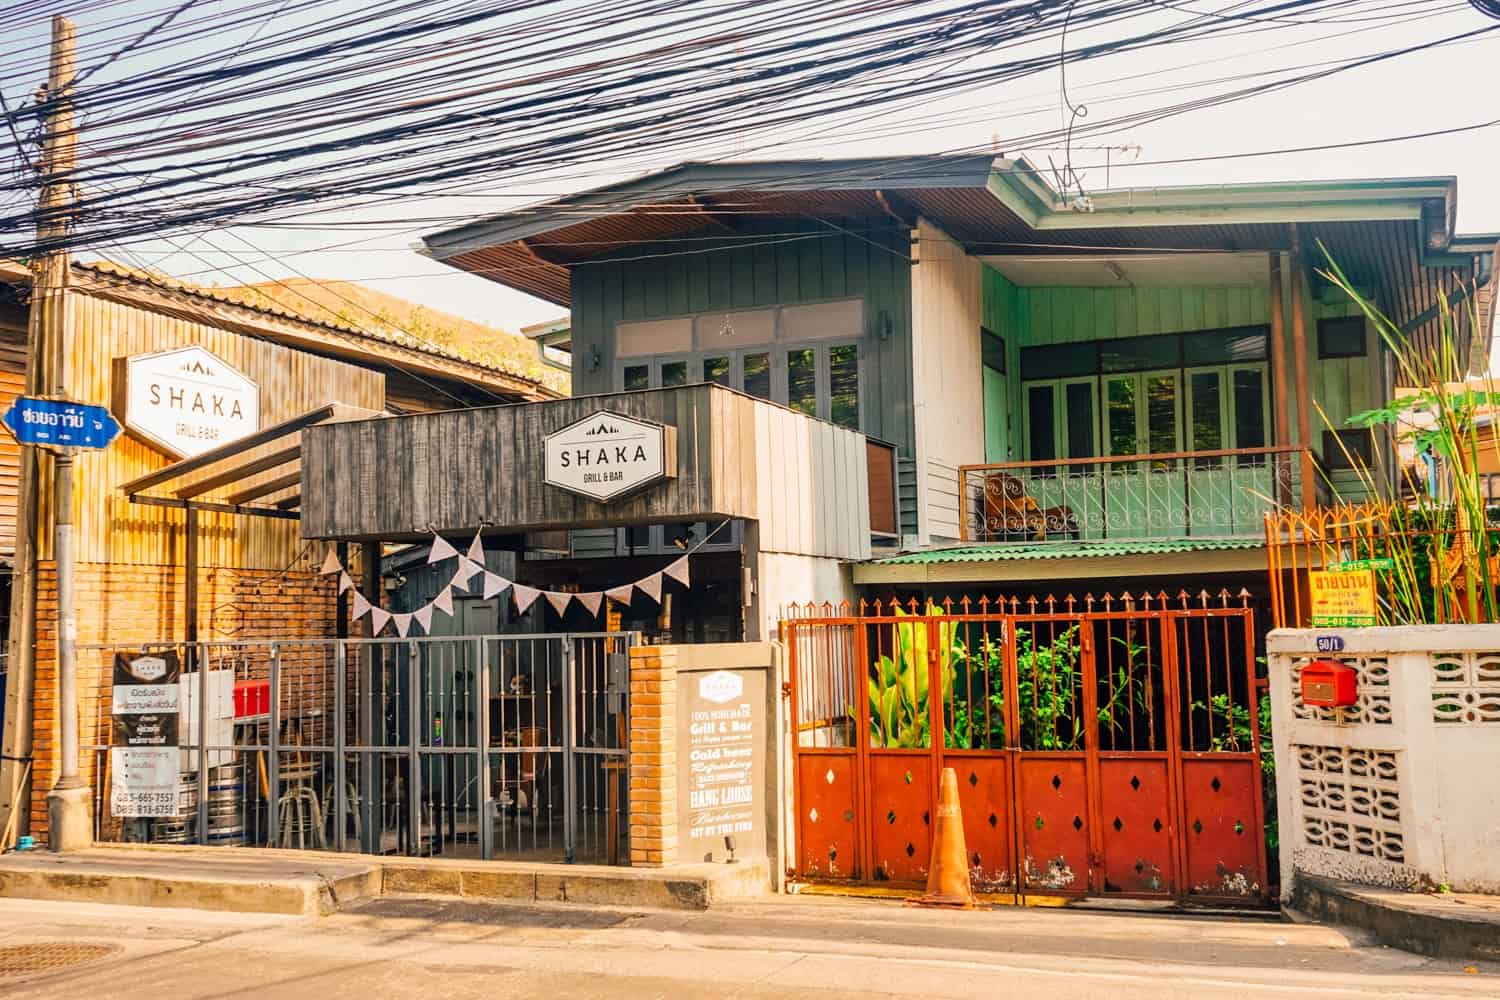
(1416, 922)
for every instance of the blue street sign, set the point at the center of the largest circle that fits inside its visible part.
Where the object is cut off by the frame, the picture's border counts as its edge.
(1330, 644)
(61, 424)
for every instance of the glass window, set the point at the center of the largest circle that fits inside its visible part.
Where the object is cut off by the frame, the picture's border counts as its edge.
(1135, 353)
(1206, 425)
(1119, 406)
(1352, 449)
(1039, 421)
(1161, 413)
(717, 371)
(1079, 397)
(802, 381)
(843, 385)
(758, 375)
(1059, 360)
(674, 373)
(637, 377)
(1343, 337)
(1234, 345)
(1249, 409)
(992, 349)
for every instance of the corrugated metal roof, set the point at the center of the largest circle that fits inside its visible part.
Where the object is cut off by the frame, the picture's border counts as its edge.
(1066, 550)
(246, 299)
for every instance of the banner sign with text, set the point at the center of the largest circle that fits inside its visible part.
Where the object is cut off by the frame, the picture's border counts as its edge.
(145, 763)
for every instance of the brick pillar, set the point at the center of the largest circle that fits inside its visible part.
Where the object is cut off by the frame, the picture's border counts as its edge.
(653, 756)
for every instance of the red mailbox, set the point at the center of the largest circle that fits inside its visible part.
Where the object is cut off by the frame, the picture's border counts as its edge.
(1328, 684)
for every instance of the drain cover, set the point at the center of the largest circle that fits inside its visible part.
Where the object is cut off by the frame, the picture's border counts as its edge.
(49, 956)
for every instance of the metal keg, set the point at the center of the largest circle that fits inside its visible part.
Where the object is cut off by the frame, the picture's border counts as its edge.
(171, 830)
(226, 823)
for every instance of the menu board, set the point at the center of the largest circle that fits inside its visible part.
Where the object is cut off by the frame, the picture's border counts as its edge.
(144, 761)
(721, 748)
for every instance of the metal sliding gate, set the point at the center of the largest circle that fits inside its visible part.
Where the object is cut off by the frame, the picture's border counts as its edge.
(489, 746)
(1102, 748)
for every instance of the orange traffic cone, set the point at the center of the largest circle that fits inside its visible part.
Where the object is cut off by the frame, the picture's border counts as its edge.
(948, 876)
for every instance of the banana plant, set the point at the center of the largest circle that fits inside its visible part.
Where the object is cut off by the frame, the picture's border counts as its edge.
(900, 686)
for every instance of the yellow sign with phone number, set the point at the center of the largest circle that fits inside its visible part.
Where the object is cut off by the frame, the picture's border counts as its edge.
(1341, 598)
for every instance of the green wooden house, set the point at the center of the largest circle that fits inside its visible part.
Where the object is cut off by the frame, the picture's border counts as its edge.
(1057, 390)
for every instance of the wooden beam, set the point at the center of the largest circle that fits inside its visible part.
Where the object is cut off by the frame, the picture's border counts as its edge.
(216, 508)
(1280, 410)
(230, 450)
(266, 489)
(1299, 347)
(240, 472)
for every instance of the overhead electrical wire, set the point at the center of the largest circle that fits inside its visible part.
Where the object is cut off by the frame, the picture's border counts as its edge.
(313, 112)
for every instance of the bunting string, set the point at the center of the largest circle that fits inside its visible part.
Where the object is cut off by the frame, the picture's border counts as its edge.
(490, 584)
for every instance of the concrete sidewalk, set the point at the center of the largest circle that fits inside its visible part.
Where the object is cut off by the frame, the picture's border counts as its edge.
(255, 880)
(813, 948)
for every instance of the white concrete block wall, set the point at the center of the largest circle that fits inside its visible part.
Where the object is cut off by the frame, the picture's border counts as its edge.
(1402, 789)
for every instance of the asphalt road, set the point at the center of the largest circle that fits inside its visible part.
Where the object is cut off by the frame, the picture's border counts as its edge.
(809, 948)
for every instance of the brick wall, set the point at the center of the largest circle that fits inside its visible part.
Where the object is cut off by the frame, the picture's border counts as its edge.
(653, 756)
(128, 605)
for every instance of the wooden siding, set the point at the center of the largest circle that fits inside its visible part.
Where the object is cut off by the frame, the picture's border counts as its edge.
(947, 313)
(1029, 317)
(1064, 315)
(12, 384)
(109, 528)
(791, 262)
(812, 485)
(737, 457)
(1002, 400)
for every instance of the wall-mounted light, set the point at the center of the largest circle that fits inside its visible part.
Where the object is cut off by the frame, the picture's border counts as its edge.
(883, 325)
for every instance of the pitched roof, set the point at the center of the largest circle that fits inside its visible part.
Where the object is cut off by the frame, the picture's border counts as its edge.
(247, 298)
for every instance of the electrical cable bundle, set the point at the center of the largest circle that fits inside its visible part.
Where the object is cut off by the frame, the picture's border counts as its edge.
(192, 117)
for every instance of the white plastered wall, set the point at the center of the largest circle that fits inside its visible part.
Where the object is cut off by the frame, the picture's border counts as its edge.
(1398, 790)
(947, 306)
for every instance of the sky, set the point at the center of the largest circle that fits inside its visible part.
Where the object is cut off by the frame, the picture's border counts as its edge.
(1443, 88)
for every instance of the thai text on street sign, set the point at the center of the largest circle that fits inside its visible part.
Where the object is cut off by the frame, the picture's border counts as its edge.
(607, 455)
(59, 423)
(145, 763)
(1341, 598)
(1384, 565)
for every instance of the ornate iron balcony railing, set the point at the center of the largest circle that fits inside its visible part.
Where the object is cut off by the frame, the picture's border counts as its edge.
(1203, 494)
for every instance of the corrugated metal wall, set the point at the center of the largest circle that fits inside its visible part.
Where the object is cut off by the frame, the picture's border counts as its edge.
(108, 528)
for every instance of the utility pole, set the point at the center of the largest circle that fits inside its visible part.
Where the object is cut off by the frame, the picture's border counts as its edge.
(68, 823)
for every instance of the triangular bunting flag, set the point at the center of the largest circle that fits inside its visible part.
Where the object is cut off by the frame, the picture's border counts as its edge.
(651, 586)
(346, 582)
(361, 606)
(559, 601)
(525, 596)
(444, 601)
(620, 595)
(476, 549)
(493, 584)
(423, 615)
(403, 624)
(467, 570)
(591, 601)
(678, 571)
(440, 550)
(378, 618)
(331, 564)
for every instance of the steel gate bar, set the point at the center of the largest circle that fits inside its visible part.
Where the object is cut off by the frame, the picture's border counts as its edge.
(273, 778)
(570, 790)
(340, 765)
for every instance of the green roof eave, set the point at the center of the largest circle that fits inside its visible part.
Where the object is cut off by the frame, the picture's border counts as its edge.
(1008, 551)
(1018, 186)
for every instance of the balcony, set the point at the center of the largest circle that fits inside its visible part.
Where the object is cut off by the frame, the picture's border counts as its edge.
(1204, 494)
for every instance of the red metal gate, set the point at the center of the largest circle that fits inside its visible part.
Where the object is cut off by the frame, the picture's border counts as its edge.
(1103, 747)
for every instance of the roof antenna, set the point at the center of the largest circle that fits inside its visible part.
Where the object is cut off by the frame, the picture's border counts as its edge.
(1068, 178)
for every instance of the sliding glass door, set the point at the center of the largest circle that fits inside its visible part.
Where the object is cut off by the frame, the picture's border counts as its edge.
(1142, 417)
